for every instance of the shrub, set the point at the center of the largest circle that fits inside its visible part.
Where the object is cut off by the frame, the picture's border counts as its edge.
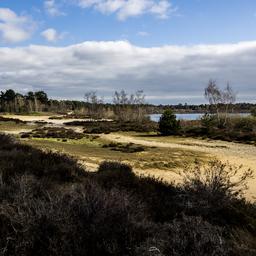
(114, 167)
(236, 128)
(245, 124)
(98, 127)
(82, 220)
(209, 121)
(158, 196)
(168, 124)
(188, 236)
(215, 192)
(50, 206)
(7, 119)
(125, 148)
(253, 112)
(53, 132)
(18, 159)
(115, 175)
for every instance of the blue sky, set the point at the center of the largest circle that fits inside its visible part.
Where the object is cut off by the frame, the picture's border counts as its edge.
(192, 22)
(199, 31)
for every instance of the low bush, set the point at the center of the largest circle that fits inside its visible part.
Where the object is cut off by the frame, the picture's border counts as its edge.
(83, 220)
(209, 121)
(253, 112)
(187, 236)
(236, 128)
(98, 127)
(17, 121)
(53, 132)
(125, 148)
(244, 124)
(50, 206)
(107, 166)
(215, 192)
(115, 175)
(63, 116)
(18, 159)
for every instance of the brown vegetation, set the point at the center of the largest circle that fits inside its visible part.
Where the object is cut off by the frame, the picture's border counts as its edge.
(114, 126)
(53, 132)
(50, 206)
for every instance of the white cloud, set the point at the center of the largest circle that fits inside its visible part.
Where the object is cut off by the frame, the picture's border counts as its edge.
(130, 8)
(52, 8)
(51, 35)
(162, 9)
(14, 28)
(143, 33)
(171, 73)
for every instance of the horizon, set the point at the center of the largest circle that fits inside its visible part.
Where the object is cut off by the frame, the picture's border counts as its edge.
(168, 49)
(110, 100)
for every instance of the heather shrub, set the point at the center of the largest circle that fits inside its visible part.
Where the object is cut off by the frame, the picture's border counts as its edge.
(53, 132)
(49, 205)
(160, 198)
(97, 127)
(18, 159)
(231, 128)
(81, 220)
(115, 174)
(253, 112)
(188, 236)
(244, 124)
(125, 148)
(209, 121)
(215, 192)
(7, 119)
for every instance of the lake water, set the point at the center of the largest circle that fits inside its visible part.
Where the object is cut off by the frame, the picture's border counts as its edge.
(190, 116)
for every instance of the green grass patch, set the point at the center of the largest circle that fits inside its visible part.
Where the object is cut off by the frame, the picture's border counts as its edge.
(13, 126)
(91, 149)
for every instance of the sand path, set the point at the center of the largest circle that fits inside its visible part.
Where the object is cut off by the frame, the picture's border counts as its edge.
(46, 119)
(234, 153)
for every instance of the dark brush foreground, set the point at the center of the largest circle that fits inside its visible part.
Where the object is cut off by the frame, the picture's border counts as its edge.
(50, 206)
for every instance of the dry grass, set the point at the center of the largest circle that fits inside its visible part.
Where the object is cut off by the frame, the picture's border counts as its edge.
(163, 156)
(92, 151)
(236, 154)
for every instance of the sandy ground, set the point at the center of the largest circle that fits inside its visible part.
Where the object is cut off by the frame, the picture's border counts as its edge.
(235, 153)
(43, 119)
(17, 132)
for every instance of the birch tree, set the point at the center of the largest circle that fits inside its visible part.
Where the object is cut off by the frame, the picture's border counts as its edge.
(218, 98)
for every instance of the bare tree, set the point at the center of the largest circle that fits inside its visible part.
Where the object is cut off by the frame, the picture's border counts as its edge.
(129, 107)
(213, 94)
(93, 102)
(121, 101)
(218, 98)
(229, 98)
(139, 101)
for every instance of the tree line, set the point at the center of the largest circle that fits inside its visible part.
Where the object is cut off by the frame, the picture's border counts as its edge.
(10, 101)
(124, 106)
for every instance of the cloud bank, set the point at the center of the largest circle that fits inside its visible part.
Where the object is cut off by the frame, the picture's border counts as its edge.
(168, 74)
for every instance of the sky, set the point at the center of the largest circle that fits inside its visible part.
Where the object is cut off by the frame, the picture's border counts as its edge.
(168, 48)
